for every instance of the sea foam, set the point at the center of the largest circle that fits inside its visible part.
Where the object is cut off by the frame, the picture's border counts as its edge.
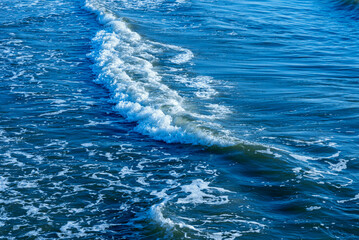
(123, 63)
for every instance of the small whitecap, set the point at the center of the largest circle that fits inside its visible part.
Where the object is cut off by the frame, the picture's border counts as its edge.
(156, 213)
(340, 166)
(87, 144)
(312, 208)
(183, 57)
(142, 180)
(200, 192)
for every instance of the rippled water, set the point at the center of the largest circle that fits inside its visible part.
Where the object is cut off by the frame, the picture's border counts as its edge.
(187, 119)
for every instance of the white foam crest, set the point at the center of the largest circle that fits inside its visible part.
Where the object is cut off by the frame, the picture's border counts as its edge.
(356, 197)
(54, 113)
(338, 167)
(87, 144)
(301, 157)
(94, 123)
(304, 158)
(201, 192)
(219, 111)
(181, 58)
(142, 180)
(157, 215)
(120, 63)
(203, 85)
(160, 194)
(127, 171)
(229, 235)
(312, 208)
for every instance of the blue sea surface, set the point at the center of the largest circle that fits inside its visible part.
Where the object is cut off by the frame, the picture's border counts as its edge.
(179, 119)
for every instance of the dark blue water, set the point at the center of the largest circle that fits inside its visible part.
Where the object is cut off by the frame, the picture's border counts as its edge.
(187, 119)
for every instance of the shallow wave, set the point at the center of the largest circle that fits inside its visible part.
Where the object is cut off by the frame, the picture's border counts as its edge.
(123, 63)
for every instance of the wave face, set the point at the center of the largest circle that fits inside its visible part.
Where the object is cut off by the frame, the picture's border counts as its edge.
(124, 64)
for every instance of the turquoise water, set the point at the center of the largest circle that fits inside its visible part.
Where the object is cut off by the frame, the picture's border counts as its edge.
(187, 119)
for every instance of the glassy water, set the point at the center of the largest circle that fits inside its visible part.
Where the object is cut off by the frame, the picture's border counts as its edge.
(187, 119)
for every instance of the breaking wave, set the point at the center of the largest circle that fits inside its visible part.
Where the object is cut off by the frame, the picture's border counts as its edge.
(124, 64)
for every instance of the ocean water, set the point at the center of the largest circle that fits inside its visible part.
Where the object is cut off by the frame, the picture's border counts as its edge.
(187, 119)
